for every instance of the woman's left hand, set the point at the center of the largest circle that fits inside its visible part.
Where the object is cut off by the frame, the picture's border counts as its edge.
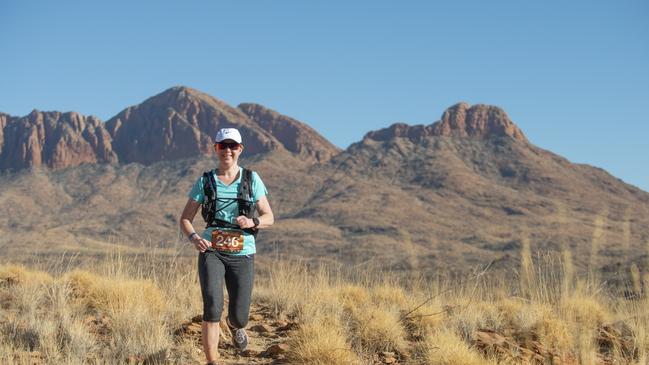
(244, 222)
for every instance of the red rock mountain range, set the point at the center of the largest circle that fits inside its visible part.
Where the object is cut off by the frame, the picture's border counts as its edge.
(178, 123)
(465, 189)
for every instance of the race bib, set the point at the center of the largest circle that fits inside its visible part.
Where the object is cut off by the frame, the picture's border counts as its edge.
(227, 241)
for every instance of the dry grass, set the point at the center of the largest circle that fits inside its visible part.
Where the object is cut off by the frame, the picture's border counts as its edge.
(131, 308)
(88, 317)
(445, 347)
(321, 340)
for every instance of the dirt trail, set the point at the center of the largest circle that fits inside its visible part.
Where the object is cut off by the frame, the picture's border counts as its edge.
(266, 337)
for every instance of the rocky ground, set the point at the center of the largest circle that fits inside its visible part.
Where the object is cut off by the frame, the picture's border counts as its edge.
(268, 344)
(267, 339)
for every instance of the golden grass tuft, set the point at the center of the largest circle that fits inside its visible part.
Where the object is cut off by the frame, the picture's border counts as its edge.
(18, 275)
(377, 328)
(50, 315)
(447, 348)
(135, 309)
(374, 320)
(321, 341)
(425, 314)
(353, 296)
(389, 294)
(585, 310)
(556, 334)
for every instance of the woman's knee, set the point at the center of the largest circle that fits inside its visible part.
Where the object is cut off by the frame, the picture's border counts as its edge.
(238, 319)
(238, 314)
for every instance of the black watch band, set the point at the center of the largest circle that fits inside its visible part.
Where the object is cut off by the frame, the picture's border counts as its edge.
(192, 235)
(255, 220)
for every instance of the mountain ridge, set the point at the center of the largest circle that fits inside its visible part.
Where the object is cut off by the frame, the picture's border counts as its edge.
(465, 190)
(53, 139)
(459, 120)
(295, 136)
(177, 123)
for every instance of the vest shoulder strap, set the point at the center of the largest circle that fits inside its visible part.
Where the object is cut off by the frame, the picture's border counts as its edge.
(245, 187)
(209, 185)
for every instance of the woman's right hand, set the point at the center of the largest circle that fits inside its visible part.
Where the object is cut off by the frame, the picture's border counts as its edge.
(200, 243)
(191, 208)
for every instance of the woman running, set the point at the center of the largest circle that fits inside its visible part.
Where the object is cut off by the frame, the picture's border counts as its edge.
(234, 206)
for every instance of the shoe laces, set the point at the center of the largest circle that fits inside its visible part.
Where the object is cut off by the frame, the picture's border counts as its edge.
(240, 335)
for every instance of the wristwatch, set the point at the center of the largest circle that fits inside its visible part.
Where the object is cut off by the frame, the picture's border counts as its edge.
(255, 220)
(191, 236)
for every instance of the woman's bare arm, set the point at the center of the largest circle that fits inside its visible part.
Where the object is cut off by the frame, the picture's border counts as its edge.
(266, 217)
(186, 226)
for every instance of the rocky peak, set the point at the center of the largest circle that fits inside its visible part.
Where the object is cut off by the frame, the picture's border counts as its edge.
(55, 140)
(184, 101)
(179, 94)
(187, 101)
(178, 123)
(294, 135)
(479, 120)
(460, 120)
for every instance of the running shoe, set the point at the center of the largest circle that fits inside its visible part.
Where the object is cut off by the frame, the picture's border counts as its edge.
(239, 337)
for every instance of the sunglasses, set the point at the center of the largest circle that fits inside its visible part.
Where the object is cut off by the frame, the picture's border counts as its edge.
(231, 145)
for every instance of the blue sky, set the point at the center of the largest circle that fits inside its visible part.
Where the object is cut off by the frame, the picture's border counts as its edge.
(574, 75)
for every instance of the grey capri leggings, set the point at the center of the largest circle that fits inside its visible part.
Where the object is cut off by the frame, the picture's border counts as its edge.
(238, 273)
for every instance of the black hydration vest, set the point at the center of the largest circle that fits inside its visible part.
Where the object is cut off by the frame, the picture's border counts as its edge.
(247, 206)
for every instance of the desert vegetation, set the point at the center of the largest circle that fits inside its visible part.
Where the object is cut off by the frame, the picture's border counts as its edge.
(144, 310)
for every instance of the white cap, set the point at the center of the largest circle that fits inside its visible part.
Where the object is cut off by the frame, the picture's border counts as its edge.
(228, 133)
